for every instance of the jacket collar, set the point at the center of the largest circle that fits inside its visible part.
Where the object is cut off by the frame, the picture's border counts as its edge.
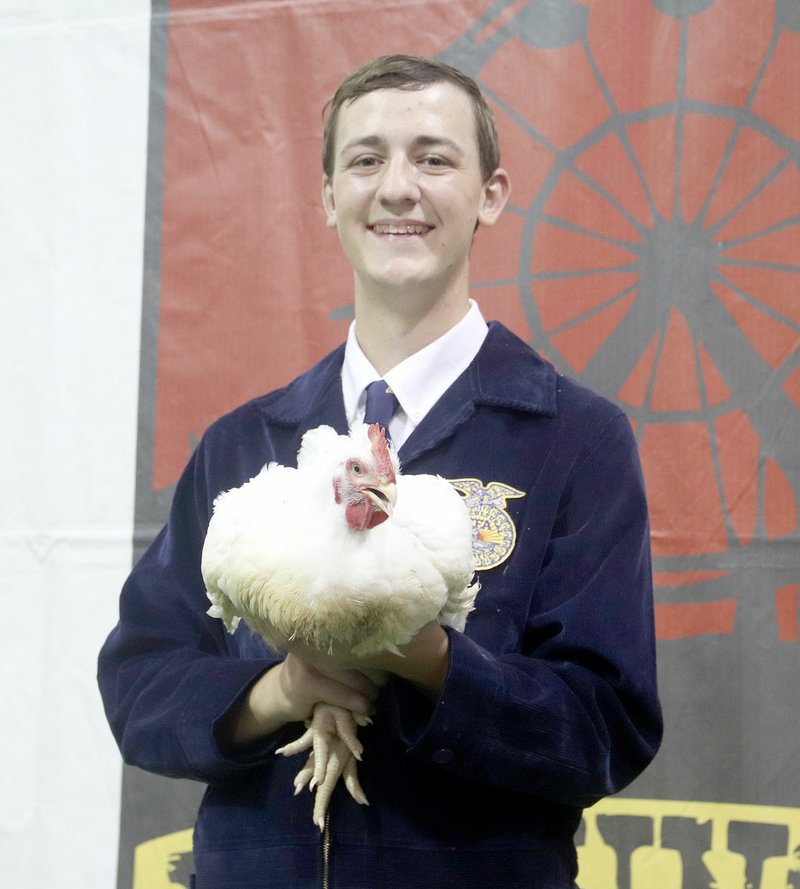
(506, 373)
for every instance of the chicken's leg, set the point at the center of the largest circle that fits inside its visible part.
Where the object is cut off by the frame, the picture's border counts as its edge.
(331, 735)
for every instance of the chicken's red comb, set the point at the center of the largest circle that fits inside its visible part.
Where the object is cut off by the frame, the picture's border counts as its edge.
(380, 449)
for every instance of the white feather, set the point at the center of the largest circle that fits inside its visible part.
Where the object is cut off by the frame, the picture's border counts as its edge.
(280, 555)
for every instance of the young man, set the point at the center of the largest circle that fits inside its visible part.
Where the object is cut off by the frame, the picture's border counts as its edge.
(485, 746)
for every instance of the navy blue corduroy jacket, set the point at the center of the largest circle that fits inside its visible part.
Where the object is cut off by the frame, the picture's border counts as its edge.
(550, 702)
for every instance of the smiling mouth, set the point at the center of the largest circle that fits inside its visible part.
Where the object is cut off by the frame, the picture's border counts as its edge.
(391, 229)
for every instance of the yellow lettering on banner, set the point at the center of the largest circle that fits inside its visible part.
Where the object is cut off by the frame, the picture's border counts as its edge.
(653, 866)
(154, 861)
(657, 866)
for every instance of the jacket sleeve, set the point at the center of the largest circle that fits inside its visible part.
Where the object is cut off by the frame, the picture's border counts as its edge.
(571, 712)
(167, 672)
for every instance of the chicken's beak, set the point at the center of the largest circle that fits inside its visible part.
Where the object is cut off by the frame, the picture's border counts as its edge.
(383, 496)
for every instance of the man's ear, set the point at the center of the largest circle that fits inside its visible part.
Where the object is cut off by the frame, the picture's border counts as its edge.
(496, 192)
(328, 202)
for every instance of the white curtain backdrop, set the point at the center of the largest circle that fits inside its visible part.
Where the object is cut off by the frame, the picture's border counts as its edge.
(73, 138)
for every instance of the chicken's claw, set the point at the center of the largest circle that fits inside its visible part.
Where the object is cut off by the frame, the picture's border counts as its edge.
(304, 742)
(302, 778)
(331, 735)
(353, 785)
(340, 763)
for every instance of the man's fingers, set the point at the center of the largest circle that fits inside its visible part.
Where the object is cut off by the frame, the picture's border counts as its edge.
(330, 691)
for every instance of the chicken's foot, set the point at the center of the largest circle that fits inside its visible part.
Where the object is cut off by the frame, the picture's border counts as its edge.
(331, 735)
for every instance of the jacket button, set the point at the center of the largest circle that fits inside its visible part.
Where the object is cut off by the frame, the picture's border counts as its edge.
(443, 756)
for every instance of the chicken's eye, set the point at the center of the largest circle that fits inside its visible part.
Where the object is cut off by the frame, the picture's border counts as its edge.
(358, 469)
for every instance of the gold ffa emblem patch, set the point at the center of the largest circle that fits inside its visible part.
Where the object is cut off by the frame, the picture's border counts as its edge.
(493, 532)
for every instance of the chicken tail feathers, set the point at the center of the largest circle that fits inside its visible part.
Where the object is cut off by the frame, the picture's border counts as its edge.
(458, 606)
(223, 608)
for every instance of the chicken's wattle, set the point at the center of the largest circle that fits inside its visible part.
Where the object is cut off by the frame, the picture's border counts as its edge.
(361, 515)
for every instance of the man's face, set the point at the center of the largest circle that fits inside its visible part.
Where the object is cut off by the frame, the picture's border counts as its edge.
(406, 191)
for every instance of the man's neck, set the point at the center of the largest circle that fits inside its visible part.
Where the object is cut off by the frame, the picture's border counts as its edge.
(389, 330)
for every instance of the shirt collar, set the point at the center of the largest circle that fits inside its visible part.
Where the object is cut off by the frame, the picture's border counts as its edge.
(418, 381)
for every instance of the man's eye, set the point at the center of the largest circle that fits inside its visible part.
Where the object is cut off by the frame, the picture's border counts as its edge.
(433, 160)
(365, 162)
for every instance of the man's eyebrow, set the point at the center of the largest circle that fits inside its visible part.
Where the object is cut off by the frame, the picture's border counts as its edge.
(418, 142)
(433, 141)
(363, 142)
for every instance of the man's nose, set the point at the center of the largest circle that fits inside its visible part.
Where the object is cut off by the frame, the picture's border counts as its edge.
(399, 182)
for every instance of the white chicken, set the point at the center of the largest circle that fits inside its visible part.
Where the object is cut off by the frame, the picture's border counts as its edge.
(343, 555)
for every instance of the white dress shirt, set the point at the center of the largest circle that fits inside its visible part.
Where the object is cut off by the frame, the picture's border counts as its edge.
(418, 381)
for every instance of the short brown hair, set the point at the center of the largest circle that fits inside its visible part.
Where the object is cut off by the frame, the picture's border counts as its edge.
(406, 72)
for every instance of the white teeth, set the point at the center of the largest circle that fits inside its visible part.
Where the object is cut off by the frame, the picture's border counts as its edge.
(400, 229)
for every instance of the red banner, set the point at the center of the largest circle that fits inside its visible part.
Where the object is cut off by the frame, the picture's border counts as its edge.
(651, 249)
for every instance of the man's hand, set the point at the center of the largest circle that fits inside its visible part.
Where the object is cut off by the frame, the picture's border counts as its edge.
(424, 661)
(288, 693)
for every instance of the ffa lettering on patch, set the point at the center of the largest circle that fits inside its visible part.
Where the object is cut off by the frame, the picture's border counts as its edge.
(493, 532)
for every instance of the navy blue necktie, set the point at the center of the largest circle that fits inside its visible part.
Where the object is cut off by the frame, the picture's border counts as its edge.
(381, 404)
